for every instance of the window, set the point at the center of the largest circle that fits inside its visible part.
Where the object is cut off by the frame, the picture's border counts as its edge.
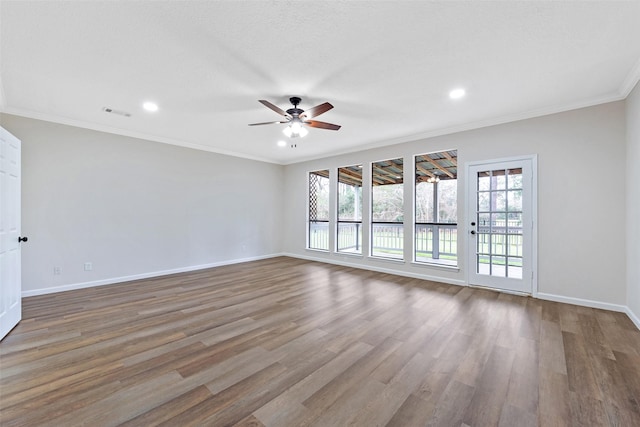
(387, 210)
(349, 231)
(318, 232)
(436, 216)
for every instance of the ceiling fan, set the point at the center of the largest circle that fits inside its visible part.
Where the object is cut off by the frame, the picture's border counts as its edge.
(296, 117)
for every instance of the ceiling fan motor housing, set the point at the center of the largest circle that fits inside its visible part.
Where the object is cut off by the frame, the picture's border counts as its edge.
(295, 100)
(295, 111)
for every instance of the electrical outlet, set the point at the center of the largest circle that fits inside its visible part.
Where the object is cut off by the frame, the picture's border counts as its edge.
(88, 266)
(57, 270)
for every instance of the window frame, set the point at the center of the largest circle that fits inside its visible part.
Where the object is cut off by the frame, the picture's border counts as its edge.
(358, 223)
(310, 221)
(435, 226)
(398, 225)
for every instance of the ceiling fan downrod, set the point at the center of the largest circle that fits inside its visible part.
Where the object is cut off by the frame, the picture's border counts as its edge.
(295, 111)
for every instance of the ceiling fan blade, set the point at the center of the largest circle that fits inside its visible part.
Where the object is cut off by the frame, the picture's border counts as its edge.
(316, 111)
(265, 123)
(321, 125)
(274, 108)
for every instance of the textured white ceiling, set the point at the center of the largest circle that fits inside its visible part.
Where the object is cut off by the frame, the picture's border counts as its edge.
(386, 66)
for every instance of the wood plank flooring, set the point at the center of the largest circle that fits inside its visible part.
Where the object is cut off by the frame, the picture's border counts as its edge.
(286, 342)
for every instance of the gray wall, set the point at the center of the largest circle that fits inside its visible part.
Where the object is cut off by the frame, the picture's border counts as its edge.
(633, 203)
(134, 207)
(581, 198)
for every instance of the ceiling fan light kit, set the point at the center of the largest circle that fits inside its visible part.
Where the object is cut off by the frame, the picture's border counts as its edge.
(297, 119)
(295, 128)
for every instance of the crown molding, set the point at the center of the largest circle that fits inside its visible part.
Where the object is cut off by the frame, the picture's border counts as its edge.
(630, 81)
(132, 134)
(510, 118)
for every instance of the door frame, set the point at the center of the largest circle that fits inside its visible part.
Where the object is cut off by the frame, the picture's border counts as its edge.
(471, 210)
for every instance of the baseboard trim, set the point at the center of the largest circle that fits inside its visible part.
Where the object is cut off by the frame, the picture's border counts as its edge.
(380, 269)
(583, 302)
(114, 280)
(633, 317)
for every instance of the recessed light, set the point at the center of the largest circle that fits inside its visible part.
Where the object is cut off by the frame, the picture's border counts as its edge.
(150, 106)
(282, 143)
(457, 93)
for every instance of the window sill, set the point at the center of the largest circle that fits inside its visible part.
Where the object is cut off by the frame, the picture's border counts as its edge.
(437, 266)
(325, 251)
(349, 254)
(384, 259)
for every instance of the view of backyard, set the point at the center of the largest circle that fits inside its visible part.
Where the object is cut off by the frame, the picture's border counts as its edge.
(435, 229)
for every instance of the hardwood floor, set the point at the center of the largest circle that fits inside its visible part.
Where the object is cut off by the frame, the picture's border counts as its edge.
(286, 342)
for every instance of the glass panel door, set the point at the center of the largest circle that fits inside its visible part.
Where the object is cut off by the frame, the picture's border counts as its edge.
(500, 224)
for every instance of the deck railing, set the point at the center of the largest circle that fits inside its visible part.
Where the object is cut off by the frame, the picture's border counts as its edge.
(319, 235)
(437, 242)
(388, 239)
(434, 242)
(350, 237)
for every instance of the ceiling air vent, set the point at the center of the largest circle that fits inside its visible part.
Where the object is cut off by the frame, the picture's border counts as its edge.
(118, 112)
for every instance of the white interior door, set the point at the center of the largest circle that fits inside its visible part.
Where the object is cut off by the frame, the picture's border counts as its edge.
(10, 284)
(501, 224)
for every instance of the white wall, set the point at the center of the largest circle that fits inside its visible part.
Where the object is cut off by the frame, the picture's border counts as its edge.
(134, 207)
(581, 198)
(633, 204)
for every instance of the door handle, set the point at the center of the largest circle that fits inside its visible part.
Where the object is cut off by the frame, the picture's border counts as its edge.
(22, 239)
(473, 231)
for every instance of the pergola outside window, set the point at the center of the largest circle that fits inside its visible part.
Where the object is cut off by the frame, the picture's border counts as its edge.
(436, 215)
